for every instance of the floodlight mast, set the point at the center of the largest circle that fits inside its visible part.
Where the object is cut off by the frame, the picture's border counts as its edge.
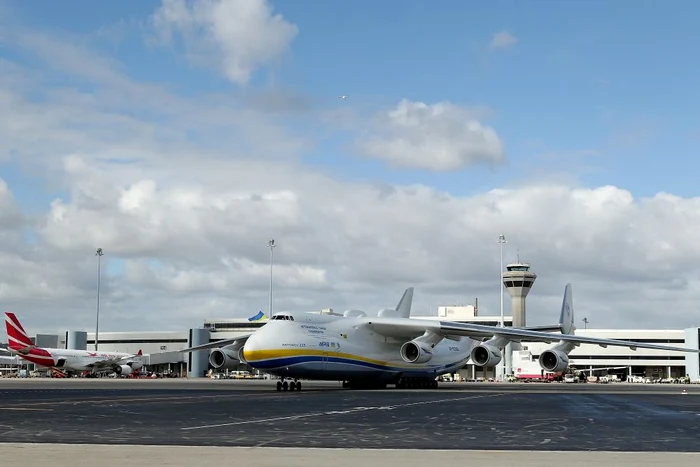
(501, 367)
(271, 245)
(99, 253)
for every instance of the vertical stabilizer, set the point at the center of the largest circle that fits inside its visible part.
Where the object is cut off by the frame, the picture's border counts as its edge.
(404, 306)
(566, 319)
(16, 335)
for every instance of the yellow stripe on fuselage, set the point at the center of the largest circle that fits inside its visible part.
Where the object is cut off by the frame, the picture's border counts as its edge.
(253, 356)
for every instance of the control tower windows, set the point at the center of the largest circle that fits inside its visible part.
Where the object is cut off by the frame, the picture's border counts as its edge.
(518, 283)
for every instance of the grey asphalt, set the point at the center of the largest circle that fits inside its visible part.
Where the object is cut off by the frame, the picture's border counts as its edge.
(542, 417)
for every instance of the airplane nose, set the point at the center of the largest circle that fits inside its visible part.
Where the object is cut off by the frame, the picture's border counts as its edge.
(251, 348)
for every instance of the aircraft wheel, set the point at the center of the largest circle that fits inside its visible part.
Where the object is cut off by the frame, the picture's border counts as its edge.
(298, 385)
(279, 385)
(285, 386)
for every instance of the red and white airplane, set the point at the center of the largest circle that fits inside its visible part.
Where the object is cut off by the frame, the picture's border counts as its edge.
(123, 364)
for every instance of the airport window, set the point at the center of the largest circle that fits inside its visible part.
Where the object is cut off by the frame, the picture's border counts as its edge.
(656, 341)
(139, 341)
(624, 357)
(224, 326)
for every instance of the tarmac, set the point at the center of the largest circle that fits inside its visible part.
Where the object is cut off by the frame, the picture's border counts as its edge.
(169, 421)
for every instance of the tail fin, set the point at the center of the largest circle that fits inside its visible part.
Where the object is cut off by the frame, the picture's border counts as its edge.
(140, 353)
(16, 335)
(404, 306)
(566, 319)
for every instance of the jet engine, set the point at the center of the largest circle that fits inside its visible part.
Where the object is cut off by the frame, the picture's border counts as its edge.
(136, 365)
(416, 352)
(554, 361)
(123, 370)
(226, 359)
(486, 355)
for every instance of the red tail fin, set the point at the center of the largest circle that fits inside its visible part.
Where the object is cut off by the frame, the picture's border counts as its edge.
(140, 353)
(16, 335)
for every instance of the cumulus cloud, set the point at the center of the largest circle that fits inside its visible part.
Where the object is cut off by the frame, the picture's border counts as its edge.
(236, 36)
(439, 137)
(10, 215)
(503, 40)
(184, 220)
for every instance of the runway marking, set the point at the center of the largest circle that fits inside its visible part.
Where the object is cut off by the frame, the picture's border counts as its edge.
(339, 412)
(142, 399)
(26, 408)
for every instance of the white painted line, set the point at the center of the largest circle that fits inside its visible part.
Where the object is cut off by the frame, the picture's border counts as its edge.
(340, 412)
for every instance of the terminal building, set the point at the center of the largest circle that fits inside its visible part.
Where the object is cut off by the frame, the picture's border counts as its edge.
(164, 348)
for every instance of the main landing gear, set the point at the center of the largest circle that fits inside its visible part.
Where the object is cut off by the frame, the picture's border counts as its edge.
(289, 386)
(353, 384)
(417, 383)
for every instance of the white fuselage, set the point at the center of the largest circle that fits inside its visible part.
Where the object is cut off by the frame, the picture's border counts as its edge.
(80, 360)
(334, 348)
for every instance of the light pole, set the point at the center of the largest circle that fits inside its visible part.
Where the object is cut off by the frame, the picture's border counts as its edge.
(271, 246)
(585, 323)
(99, 254)
(502, 365)
(501, 240)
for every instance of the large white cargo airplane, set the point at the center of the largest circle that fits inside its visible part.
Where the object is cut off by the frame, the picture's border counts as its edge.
(391, 348)
(65, 359)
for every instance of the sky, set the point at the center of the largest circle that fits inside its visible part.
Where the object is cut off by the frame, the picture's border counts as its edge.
(180, 136)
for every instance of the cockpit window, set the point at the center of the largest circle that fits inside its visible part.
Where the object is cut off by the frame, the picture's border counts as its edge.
(284, 317)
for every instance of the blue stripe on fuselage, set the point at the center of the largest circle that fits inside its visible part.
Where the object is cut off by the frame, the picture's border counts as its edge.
(282, 362)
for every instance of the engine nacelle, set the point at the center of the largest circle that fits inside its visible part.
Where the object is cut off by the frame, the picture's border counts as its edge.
(241, 358)
(225, 359)
(554, 361)
(416, 352)
(486, 355)
(388, 313)
(354, 313)
(136, 365)
(123, 370)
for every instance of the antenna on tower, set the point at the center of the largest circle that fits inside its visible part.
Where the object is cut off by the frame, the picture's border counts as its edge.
(518, 255)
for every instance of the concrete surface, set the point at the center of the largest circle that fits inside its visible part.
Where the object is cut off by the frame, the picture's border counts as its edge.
(31, 455)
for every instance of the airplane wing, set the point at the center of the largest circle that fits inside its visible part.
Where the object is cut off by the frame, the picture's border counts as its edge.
(236, 341)
(410, 329)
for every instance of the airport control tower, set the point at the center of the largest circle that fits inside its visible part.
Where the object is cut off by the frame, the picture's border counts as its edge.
(518, 279)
